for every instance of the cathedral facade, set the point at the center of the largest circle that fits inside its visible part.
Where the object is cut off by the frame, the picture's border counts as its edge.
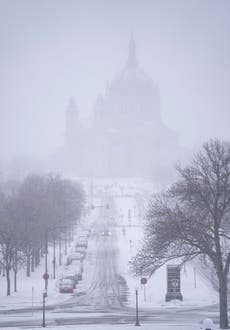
(127, 137)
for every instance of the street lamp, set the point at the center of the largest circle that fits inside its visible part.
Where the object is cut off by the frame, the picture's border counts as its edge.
(60, 248)
(46, 262)
(44, 295)
(65, 248)
(137, 316)
(54, 253)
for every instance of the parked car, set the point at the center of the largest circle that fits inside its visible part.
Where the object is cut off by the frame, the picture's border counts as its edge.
(81, 249)
(82, 236)
(82, 243)
(78, 256)
(86, 232)
(71, 276)
(66, 286)
(106, 232)
(77, 267)
(74, 256)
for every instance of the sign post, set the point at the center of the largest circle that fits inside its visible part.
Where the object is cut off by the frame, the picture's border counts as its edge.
(143, 282)
(32, 300)
(44, 295)
(45, 278)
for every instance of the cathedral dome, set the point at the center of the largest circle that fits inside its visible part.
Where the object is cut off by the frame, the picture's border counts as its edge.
(132, 98)
(127, 136)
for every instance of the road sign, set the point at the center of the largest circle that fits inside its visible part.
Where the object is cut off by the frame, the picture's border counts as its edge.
(143, 280)
(45, 276)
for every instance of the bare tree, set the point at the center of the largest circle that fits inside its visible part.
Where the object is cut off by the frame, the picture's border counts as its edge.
(9, 237)
(32, 215)
(193, 218)
(36, 207)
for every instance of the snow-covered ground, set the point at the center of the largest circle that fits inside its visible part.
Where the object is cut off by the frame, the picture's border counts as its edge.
(30, 289)
(129, 200)
(122, 327)
(195, 289)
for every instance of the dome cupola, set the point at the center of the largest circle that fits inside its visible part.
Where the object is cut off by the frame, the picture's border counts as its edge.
(132, 61)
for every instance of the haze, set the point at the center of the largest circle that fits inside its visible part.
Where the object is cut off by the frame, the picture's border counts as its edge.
(51, 50)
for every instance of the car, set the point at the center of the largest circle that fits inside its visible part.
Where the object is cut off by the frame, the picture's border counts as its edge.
(77, 267)
(106, 232)
(82, 240)
(81, 249)
(71, 276)
(66, 286)
(86, 232)
(77, 256)
(82, 237)
(74, 256)
(82, 243)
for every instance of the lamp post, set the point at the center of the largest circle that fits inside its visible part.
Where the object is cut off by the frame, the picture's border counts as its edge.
(46, 264)
(54, 253)
(129, 217)
(44, 295)
(137, 316)
(60, 248)
(65, 250)
(130, 246)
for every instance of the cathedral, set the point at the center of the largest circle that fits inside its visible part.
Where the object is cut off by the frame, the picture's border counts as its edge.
(127, 137)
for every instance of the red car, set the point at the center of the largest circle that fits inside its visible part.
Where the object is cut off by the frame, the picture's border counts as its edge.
(66, 286)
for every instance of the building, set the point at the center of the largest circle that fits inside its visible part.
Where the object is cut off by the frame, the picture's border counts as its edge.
(127, 137)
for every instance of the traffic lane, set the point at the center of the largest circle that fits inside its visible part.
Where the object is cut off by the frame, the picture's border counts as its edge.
(105, 286)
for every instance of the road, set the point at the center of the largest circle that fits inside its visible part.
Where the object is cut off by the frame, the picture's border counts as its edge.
(104, 302)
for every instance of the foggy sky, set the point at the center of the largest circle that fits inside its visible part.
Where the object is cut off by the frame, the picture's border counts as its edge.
(51, 50)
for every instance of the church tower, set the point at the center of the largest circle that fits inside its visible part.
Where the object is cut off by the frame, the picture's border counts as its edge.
(73, 126)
